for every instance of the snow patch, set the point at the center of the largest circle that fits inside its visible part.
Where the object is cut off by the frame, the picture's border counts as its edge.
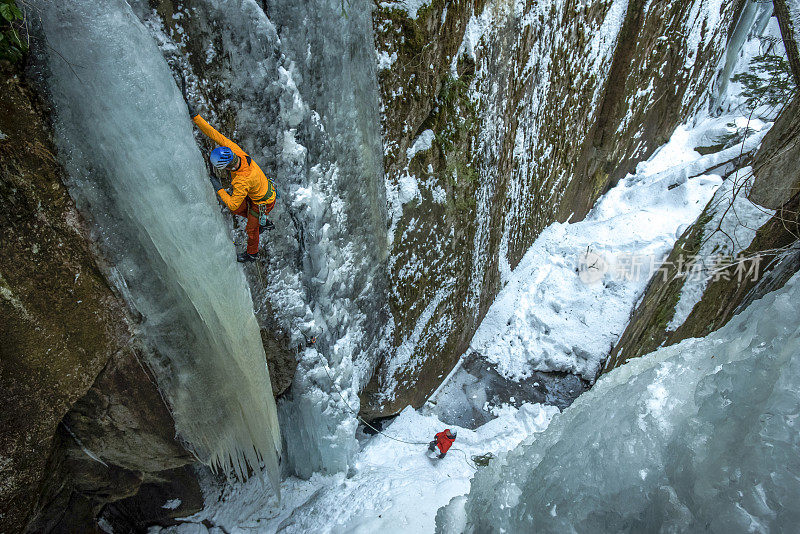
(411, 7)
(439, 194)
(409, 188)
(476, 28)
(421, 143)
(393, 486)
(171, 504)
(385, 60)
(730, 230)
(556, 312)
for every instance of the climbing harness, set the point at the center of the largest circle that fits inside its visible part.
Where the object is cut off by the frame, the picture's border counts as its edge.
(312, 340)
(262, 215)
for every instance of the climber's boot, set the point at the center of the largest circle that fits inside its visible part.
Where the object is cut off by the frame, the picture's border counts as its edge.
(244, 257)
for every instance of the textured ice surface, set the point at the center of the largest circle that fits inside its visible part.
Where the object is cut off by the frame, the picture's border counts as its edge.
(337, 197)
(302, 87)
(699, 436)
(135, 171)
(743, 44)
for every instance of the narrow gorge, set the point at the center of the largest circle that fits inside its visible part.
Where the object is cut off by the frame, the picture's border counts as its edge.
(567, 229)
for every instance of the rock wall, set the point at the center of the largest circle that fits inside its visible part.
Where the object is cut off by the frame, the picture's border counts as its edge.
(114, 451)
(500, 118)
(788, 14)
(60, 321)
(775, 165)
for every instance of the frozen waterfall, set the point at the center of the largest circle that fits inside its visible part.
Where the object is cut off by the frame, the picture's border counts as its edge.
(750, 24)
(338, 197)
(302, 87)
(135, 172)
(699, 436)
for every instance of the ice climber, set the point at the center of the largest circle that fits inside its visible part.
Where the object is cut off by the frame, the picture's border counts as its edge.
(253, 195)
(444, 440)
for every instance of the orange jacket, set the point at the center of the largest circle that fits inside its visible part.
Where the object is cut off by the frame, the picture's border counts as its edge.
(248, 180)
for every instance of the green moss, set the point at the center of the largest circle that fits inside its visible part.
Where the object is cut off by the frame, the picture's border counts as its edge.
(454, 124)
(688, 245)
(658, 308)
(694, 238)
(667, 304)
(600, 181)
(711, 149)
(414, 36)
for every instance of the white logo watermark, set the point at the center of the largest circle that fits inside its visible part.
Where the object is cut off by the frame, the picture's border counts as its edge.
(593, 267)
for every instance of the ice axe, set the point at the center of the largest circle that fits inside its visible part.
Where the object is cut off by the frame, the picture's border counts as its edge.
(192, 109)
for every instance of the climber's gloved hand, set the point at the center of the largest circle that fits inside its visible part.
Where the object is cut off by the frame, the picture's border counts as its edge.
(215, 182)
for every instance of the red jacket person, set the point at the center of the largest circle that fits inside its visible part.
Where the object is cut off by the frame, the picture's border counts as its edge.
(444, 440)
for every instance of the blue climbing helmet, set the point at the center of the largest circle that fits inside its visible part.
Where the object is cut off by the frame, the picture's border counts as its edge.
(221, 156)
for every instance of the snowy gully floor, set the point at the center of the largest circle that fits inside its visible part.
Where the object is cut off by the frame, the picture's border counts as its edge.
(547, 318)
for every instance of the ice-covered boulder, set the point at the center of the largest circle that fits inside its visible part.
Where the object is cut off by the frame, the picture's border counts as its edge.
(696, 436)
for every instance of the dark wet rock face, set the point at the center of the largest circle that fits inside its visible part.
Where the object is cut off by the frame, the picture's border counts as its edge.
(790, 34)
(174, 493)
(476, 387)
(60, 321)
(116, 452)
(281, 359)
(775, 165)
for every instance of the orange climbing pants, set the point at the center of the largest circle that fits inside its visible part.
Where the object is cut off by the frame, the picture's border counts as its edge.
(249, 210)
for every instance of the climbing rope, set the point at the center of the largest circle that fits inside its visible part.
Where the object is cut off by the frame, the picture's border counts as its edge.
(260, 276)
(313, 340)
(339, 393)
